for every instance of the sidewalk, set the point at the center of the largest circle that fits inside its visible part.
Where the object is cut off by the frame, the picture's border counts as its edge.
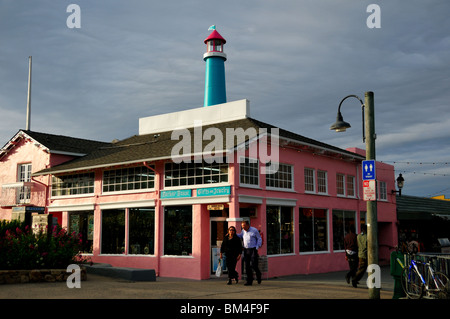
(316, 286)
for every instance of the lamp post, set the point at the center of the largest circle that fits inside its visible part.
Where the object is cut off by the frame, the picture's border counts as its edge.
(400, 183)
(369, 136)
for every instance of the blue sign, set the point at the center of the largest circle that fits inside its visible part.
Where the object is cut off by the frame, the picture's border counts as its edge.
(181, 193)
(213, 191)
(368, 169)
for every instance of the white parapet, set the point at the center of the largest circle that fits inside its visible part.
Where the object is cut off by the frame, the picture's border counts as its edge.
(207, 115)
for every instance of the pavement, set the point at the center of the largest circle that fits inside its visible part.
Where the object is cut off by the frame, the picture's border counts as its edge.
(315, 286)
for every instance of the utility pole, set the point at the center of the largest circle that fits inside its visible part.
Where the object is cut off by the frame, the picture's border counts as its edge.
(29, 95)
(372, 219)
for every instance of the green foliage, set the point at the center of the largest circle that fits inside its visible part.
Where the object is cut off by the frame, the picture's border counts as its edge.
(20, 248)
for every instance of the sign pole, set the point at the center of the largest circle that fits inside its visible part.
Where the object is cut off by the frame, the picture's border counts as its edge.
(372, 220)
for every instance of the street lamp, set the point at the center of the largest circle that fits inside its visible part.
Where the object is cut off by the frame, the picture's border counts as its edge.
(369, 136)
(400, 183)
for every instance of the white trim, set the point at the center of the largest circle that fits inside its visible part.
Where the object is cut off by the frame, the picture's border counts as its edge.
(195, 200)
(128, 204)
(281, 202)
(251, 199)
(70, 208)
(18, 184)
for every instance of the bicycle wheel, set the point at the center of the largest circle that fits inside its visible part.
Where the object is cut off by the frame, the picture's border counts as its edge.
(412, 284)
(443, 286)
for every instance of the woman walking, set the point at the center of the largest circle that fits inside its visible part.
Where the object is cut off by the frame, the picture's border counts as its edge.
(232, 248)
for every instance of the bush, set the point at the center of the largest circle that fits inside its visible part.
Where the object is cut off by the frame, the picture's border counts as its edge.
(20, 248)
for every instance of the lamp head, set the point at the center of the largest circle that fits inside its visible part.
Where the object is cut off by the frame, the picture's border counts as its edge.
(400, 181)
(340, 125)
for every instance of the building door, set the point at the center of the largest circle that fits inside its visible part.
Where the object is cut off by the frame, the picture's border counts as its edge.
(219, 228)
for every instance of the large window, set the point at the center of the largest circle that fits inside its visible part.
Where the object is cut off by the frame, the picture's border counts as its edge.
(249, 171)
(351, 186)
(345, 185)
(113, 231)
(341, 222)
(340, 184)
(141, 231)
(280, 230)
(178, 230)
(322, 187)
(313, 230)
(76, 184)
(195, 173)
(24, 175)
(82, 223)
(382, 190)
(282, 178)
(309, 180)
(131, 178)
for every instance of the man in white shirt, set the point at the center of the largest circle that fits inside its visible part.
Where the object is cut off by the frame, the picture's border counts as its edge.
(252, 242)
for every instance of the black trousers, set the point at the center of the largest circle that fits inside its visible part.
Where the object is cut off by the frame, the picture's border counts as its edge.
(231, 262)
(353, 265)
(251, 263)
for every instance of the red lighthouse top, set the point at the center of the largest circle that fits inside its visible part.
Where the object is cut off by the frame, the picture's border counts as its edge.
(215, 36)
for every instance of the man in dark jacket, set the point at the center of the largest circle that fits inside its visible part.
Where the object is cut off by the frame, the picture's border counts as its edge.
(351, 253)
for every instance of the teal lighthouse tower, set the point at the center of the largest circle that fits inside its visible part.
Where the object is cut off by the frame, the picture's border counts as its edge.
(215, 58)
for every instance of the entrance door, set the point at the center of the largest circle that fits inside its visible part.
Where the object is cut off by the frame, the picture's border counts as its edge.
(219, 228)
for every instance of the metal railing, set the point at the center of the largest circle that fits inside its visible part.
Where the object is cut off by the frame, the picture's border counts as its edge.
(440, 262)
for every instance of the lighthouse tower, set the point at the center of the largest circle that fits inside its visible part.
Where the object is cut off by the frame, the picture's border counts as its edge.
(215, 58)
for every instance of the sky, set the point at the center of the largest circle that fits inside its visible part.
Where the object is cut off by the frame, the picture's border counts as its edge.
(294, 60)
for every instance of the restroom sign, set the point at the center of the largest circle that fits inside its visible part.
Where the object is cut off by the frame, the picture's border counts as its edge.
(370, 190)
(368, 168)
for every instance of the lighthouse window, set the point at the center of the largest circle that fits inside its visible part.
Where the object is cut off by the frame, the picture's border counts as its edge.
(218, 45)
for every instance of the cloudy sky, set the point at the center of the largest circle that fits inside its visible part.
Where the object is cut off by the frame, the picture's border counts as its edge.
(295, 60)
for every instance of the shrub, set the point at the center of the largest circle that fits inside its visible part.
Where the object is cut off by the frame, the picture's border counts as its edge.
(20, 248)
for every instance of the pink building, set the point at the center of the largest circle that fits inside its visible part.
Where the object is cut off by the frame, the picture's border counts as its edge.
(163, 199)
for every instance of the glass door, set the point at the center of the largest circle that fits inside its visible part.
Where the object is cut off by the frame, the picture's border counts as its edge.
(219, 228)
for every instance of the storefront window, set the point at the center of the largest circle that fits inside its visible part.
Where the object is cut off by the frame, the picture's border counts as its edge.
(75, 184)
(195, 173)
(178, 230)
(131, 178)
(141, 231)
(280, 230)
(113, 231)
(341, 221)
(313, 230)
(83, 223)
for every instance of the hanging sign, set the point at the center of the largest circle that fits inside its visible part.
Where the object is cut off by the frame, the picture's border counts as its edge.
(368, 168)
(216, 207)
(369, 190)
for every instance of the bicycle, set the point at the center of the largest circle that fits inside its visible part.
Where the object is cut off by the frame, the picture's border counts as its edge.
(427, 284)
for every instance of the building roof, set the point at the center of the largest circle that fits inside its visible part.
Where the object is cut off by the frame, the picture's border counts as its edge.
(159, 146)
(55, 144)
(216, 36)
(412, 207)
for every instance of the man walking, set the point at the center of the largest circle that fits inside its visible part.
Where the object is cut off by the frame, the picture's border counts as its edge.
(351, 253)
(362, 255)
(252, 242)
